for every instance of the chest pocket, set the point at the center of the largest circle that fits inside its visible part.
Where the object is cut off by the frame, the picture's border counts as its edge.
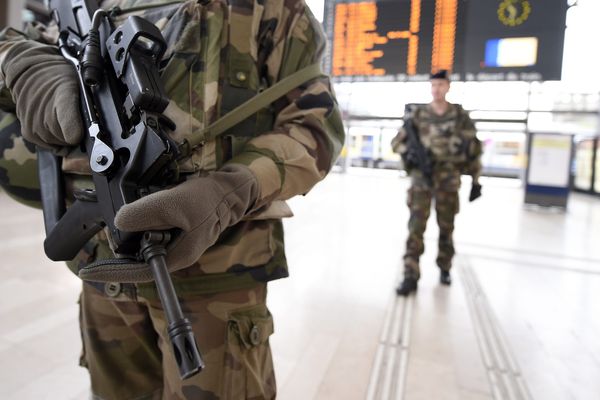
(236, 79)
(249, 45)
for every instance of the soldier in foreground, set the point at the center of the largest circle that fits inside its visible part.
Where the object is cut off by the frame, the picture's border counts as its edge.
(228, 209)
(437, 143)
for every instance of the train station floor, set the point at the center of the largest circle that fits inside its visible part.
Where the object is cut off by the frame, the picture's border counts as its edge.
(520, 320)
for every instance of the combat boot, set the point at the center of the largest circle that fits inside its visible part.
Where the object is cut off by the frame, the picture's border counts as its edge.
(445, 278)
(407, 286)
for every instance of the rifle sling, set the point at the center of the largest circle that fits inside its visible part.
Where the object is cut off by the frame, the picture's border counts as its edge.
(252, 106)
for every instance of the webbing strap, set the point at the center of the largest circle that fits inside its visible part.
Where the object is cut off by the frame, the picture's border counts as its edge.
(116, 11)
(252, 106)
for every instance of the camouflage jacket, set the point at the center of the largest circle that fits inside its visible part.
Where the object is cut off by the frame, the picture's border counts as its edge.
(451, 142)
(220, 53)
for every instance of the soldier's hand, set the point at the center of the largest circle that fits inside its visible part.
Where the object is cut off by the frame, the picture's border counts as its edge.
(475, 192)
(199, 209)
(46, 94)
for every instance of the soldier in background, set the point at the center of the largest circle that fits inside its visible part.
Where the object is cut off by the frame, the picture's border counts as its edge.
(448, 137)
(228, 210)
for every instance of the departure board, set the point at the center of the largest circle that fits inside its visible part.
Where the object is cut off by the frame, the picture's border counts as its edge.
(406, 40)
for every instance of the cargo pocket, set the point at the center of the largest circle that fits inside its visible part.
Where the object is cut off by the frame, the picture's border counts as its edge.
(248, 366)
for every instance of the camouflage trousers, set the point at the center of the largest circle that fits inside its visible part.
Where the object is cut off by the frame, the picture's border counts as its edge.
(446, 207)
(126, 350)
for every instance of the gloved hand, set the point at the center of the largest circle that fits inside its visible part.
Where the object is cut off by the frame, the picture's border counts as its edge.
(475, 192)
(200, 207)
(46, 94)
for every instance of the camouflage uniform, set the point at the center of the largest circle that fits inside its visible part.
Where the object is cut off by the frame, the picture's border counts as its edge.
(18, 163)
(220, 53)
(451, 142)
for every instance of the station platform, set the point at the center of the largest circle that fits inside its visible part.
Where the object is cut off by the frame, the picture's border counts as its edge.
(519, 322)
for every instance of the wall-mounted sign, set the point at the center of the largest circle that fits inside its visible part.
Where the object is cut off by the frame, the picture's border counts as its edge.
(482, 40)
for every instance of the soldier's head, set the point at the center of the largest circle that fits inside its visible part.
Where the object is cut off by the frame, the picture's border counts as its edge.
(440, 85)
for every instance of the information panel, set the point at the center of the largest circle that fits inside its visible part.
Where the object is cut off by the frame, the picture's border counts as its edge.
(548, 175)
(483, 40)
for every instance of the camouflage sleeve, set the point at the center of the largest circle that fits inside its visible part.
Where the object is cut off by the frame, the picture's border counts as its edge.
(399, 141)
(474, 149)
(308, 134)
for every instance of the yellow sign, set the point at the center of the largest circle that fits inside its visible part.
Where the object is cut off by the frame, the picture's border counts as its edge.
(514, 12)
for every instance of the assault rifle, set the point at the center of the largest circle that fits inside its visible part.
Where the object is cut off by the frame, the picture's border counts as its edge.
(122, 101)
(416, 155)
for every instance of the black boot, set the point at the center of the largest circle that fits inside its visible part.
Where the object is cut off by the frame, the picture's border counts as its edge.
(407, 286)
(445, 278)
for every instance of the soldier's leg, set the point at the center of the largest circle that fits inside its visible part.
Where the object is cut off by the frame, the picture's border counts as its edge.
(232, 330)
(446, 208)
(119, 346)
(419, 203)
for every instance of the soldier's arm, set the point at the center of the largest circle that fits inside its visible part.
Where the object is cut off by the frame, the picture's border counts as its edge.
(399, 144)
(399, 141)
(474, 150)
(308, 133)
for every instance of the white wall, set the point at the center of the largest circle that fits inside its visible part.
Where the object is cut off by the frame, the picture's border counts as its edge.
(581, 60)
(316, 7)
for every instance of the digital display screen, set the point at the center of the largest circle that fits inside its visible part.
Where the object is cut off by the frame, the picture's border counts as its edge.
(482, 40)
(511, 52)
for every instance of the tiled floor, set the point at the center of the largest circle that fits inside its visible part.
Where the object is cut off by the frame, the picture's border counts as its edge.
(530, 278)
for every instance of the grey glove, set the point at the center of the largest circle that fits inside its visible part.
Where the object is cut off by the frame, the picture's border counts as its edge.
(201, 207)
(45, 90)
